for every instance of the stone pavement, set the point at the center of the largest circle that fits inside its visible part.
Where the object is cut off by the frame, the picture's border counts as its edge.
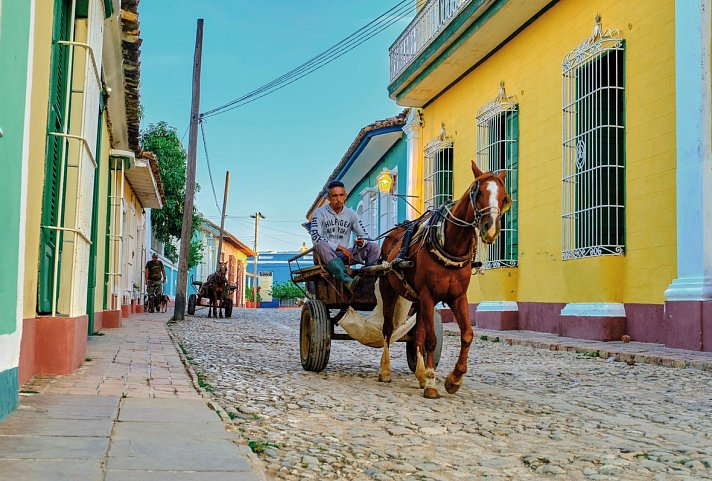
(131, 412)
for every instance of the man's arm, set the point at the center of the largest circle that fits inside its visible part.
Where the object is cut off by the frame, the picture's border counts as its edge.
(360, 231)
(316, 230)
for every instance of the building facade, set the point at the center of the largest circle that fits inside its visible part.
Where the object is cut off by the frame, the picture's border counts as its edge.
(600, 114)
(234, 252)
(378, 155)
(78, 181)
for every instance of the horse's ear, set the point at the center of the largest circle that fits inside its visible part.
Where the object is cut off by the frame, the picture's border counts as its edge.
(502, 174)
(475, 170)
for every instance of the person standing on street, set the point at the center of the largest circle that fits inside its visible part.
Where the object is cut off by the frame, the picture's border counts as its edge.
(331, 228)
(155, 277)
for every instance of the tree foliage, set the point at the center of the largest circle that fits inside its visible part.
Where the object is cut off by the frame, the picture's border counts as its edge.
(162, 140)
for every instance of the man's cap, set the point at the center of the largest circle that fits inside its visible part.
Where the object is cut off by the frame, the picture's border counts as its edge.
(155, 255)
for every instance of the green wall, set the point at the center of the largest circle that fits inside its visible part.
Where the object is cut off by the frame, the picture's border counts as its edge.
(8, 391)
(14, 48)
(395, 157)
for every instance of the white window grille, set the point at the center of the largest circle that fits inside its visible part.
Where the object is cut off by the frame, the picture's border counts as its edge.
(498, 149)
(369, 211)
(593, 211)
(438, 171)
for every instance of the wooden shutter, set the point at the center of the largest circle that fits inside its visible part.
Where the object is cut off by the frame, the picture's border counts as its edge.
(59, 83)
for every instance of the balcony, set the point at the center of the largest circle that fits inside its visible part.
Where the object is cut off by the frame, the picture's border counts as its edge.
(447, 38)
(426, 25)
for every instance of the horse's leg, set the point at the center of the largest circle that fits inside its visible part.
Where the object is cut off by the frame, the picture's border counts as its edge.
(425, 313)
(419, 341)
(211, 306)
(388, 298)
(220, 303)
(460, 310)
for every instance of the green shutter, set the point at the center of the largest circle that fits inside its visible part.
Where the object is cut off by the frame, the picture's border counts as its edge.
(511, 218)
(59, 83)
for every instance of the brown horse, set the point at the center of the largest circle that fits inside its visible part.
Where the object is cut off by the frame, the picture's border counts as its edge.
(442, 249)
(215, 287)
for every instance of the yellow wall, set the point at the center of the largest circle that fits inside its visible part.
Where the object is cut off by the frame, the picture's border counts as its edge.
(38, 142)
(530, 66)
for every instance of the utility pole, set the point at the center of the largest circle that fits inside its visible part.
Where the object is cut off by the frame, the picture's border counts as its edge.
(222, 217)
(179, 310)
(255, 285)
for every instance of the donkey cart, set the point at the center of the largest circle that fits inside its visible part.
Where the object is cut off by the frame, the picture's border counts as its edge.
(199, 300)
(327, 302)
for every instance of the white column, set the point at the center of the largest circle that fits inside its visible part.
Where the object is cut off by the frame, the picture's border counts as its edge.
(413, 129)
(694, 152)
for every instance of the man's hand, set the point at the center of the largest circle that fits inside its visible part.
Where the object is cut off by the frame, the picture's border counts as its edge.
(346, 252)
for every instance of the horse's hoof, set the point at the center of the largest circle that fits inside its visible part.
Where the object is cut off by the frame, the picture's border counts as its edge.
(421, 384)
(431, 393)
(382, 378)
(451, 387)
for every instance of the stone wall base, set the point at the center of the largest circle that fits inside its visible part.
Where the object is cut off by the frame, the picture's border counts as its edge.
(676, 324)
(52, 345)
(111, 319)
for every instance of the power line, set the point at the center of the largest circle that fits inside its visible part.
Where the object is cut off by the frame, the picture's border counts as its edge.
(207, 160)
(376, 26)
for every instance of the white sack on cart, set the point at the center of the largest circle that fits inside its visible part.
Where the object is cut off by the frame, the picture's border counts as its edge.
(369, 330)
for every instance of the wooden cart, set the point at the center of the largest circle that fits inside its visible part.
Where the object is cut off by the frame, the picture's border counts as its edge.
(196, 300)
(326, 303)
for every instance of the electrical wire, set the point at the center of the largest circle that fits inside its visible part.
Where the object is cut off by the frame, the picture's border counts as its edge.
(376, 26)
(210, 173)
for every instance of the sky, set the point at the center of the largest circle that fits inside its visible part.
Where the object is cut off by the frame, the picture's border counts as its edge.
(279, 149)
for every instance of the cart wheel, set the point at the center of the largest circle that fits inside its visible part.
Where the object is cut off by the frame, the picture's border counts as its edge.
(314, 336)
(192, 300)
(411, 351)
(227, 306)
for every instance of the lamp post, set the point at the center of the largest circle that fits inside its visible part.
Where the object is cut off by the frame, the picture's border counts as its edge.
(385, 181)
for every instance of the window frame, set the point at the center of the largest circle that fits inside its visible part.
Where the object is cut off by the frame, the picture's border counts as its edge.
(438, 164)
(593, 147)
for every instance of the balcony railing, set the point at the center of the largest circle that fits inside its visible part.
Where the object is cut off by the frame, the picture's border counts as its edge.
(431, 19)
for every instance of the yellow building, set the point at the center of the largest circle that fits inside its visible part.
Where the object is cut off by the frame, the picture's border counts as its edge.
(234, 252)
(89, 181)
(600, 114)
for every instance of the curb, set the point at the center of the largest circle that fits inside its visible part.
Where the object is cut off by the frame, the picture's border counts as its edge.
(636, 353)
(258, 466)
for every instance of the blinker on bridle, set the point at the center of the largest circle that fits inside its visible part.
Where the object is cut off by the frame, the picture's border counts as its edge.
(479, 214)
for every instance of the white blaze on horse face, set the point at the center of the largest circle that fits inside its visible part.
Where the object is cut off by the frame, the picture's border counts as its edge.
(493, 231)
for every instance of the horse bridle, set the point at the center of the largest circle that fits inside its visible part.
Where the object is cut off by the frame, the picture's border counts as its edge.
(479, 214)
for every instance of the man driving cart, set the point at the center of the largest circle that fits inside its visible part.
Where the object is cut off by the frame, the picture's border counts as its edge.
(331, 228)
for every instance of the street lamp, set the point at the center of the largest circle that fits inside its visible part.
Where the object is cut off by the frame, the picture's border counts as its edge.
(385, 181)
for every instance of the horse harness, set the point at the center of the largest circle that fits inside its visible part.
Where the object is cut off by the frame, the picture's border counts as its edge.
(430, 230)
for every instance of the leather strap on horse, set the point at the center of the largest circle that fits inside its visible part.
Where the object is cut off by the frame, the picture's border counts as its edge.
(436, 235)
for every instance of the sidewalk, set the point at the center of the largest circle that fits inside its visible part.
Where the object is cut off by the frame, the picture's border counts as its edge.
(630, 352)
(130, 413)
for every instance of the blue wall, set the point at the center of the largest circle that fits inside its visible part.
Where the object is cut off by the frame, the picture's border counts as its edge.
(276, 263)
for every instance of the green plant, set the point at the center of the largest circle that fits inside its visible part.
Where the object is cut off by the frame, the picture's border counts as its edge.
(258, 447)
(287, 290)
(249, 296)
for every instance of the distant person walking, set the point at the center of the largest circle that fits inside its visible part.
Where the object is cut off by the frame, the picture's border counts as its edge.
(155, 277)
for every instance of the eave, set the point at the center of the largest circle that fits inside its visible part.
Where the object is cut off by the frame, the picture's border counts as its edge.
(369, 146)
(144, 183)
(479, 30)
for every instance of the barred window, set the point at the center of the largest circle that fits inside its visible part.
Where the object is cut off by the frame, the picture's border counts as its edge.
(368, 211)
(498, 149)
(593, 210)
(438, 171)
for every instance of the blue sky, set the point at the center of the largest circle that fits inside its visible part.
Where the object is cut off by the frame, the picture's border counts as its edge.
(279, 149)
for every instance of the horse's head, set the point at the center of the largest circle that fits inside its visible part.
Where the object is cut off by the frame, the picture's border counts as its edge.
(490, 201)
(222, 269)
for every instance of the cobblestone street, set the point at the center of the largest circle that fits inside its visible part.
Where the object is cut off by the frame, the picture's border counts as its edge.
(521, 414)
